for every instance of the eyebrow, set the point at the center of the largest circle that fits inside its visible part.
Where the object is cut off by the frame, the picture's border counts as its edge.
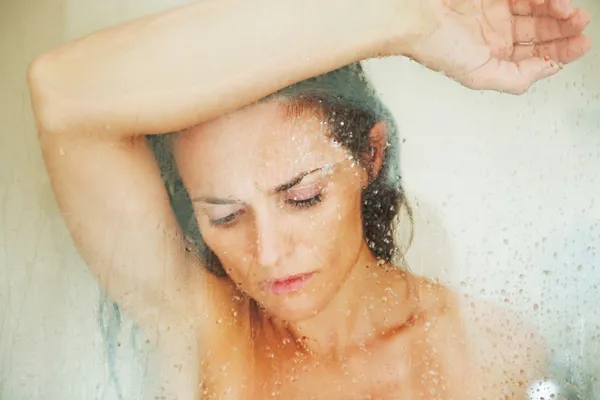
(294, 181)
(281, 188)
(214, 200)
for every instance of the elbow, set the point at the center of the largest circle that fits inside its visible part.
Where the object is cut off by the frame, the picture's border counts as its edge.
(43, 99)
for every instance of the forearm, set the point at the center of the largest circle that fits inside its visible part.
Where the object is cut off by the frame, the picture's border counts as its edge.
(175, 69)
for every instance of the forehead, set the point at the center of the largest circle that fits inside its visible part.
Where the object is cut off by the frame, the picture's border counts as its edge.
(260, 146)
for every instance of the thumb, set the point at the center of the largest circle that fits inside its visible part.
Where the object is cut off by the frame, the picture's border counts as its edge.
(514, 77)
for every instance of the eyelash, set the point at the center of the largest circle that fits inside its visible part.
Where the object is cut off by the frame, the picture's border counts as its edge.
(226, 221)
(305, 203)
(300, 204)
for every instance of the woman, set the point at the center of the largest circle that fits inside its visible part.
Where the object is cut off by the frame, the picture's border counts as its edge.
(292, 185)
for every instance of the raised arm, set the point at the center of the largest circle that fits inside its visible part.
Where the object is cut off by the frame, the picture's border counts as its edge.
(96, 97)
(175, 69)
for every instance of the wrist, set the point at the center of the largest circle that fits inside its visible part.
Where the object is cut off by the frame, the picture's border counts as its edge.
(399, 24)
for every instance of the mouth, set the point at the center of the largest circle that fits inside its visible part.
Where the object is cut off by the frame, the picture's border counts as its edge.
(289, 284)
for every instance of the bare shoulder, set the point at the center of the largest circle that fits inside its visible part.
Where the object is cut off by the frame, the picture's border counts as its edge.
(498, 349)
(505, 346)
(202, 339)
(492, 324)
(228, 347)
(434, 299)
(497, 344)
(439, 308)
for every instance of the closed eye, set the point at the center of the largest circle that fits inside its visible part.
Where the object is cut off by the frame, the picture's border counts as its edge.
(305, 196)
(227, 220)
(305, 203)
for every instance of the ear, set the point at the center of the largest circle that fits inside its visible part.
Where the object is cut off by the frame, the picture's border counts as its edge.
(377, 144)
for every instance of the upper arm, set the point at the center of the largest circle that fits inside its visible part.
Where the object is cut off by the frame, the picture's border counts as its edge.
(119, 216)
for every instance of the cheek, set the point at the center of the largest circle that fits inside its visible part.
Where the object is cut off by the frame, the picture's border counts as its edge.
(230, 247)
(335, 230)
(346, 203)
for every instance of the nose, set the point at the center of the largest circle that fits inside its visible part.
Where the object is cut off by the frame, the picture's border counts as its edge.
(270, 241)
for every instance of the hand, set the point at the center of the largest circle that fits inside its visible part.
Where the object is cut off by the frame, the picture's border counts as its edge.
(503, 45)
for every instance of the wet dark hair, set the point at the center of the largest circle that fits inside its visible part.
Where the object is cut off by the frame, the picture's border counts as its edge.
(351, 108)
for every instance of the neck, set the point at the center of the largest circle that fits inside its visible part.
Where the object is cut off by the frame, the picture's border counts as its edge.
(373, 300)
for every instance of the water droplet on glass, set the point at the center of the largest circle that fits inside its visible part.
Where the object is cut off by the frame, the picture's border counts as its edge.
(542, 390)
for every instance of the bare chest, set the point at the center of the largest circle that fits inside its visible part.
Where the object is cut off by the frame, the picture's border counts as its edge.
(403, 369)
(365, 376)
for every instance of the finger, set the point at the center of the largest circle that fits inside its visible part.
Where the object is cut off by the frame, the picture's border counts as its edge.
(561, 9)
(508, 76)
(564, 50)
(544, 29)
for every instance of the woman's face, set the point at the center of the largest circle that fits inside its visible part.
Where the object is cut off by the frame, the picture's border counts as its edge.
(278, 202)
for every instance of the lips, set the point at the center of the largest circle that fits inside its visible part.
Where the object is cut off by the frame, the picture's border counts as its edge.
(287, 285)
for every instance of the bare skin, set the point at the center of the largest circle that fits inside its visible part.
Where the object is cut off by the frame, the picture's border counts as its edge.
(96, 97)
(356, 329)
(396, 362)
